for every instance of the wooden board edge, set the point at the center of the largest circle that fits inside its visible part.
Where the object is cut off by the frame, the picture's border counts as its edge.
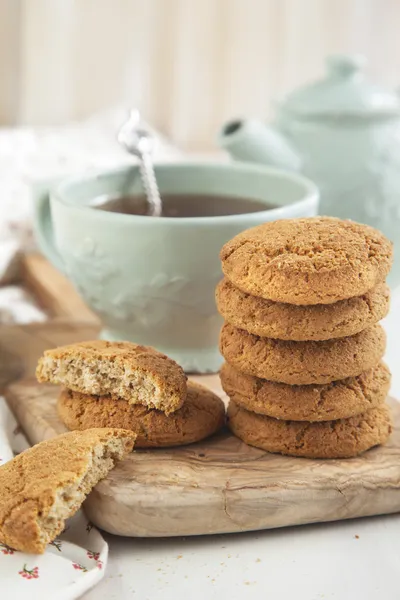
(54, 293)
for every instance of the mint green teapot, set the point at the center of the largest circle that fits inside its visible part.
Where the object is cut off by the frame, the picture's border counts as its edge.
(342, 132)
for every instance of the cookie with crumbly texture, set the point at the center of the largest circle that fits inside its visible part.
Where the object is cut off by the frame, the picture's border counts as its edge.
(316, 260)
(302, 363)
(201, 415)
(298, 323)
(343, 438)
(43, 486)
(122, 370)
(337, 400)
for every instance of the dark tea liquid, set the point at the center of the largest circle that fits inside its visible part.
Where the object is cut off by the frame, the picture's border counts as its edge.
(182, 205)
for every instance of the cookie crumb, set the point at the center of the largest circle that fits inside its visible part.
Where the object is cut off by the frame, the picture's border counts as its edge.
(357, 537)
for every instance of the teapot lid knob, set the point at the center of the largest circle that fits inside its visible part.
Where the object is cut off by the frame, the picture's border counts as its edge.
(344, 91)
(341, 65)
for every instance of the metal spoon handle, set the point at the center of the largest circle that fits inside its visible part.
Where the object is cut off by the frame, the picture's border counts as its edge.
(150, 184)
(139, 141)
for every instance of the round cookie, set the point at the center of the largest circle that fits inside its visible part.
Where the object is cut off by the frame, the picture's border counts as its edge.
(317, 260)
(298, 323)
(302, 363)
(337, 400)
(331, 439)
(202, 414)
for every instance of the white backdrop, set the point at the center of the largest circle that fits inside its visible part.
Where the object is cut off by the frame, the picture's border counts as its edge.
(187, 64)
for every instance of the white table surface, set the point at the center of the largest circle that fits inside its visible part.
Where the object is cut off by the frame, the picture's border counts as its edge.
(347, 560)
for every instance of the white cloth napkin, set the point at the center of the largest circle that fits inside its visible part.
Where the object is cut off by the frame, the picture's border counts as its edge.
(71, 565)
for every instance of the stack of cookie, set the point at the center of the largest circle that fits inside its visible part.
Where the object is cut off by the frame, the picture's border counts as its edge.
(302, 299)
(132, 387)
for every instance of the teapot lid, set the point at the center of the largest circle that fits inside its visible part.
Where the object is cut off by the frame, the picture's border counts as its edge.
(343, 91)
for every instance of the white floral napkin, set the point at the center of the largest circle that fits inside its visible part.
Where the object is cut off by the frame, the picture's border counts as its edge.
(71, 565)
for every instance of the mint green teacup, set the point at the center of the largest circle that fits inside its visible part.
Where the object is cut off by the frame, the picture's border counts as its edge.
(152, 280)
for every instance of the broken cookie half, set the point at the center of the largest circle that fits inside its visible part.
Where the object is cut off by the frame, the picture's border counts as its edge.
(122, 370)
(47, 483)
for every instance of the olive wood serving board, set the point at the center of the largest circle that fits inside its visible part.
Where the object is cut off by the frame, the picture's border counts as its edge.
(219, 485)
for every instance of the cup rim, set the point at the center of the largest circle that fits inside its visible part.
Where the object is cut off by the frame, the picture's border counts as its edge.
(310, 196)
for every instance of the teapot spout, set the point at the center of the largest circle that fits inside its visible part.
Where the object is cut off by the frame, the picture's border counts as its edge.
(253, 141)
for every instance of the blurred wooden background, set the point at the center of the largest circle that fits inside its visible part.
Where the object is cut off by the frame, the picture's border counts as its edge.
(187, 64)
